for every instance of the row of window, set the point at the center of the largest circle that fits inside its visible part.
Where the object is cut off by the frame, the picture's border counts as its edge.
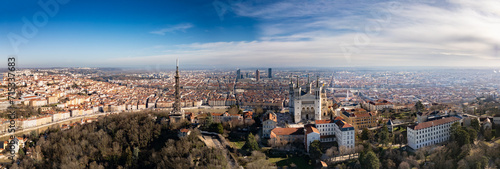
(430, 129)
(443, 136)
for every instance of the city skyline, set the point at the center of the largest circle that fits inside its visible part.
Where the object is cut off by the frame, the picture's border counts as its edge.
(249, 34)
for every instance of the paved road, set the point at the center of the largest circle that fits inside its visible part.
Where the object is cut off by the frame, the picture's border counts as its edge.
(213, 141)
(341, 158)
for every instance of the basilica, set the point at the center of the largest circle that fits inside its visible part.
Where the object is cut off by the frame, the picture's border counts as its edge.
(310, 104)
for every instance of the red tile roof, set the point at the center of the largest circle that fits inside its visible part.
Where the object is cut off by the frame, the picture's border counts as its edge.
(310, 129)
(338, 118)
(343, 124)
(434, 123)
(288, 131)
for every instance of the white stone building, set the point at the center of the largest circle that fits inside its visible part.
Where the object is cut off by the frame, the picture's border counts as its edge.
(28, 123)
(430, 133)
(336, 130)
(60, 116)
(312, 134)
(308, 104)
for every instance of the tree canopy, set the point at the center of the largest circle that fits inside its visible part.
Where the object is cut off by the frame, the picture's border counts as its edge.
(369, 160)
(251, 143)
(122, 141)
(315, 150)
(419, 106)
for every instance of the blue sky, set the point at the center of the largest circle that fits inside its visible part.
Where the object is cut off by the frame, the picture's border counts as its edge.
(259, 33)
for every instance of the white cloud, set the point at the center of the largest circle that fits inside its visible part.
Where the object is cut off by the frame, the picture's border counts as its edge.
(179, 27)
(441, 33)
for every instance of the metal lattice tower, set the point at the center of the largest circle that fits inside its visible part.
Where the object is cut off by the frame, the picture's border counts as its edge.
(177, 104)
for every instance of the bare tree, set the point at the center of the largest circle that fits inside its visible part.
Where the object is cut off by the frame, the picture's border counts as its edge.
(358, 149)
(404, 165)
(342, 151)
(331, 152)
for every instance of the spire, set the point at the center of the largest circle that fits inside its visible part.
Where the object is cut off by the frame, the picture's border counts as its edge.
(291, 76)
(308, 79)
(317, 81)
(297, 81)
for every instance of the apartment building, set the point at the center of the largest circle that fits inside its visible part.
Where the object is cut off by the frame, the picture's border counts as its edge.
(311, 134)
(344, 133)
(360, 118)
(430, 133)
(269, 122)
(326, 129)
(60, 116)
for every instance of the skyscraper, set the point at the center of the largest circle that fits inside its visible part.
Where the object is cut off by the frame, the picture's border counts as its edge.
(257, 75)
(238, 74)
(270, 73)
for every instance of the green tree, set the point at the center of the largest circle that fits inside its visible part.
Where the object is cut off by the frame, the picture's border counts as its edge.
(384, 135)
(475, 124)
(419, 106)
(472, 135)
(370, 160)
(366, 134)
(488, 135)
(209, 120)
(251, 143)
(21, 153)
(315, 150)
(220, 128)
(217, 127)
(462, 137)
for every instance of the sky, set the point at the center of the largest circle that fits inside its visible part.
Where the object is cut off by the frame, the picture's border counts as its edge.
(244, 33)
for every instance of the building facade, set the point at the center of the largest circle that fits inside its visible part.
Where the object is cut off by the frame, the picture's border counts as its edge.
(309, 104)
(311, 134)
(360, 118)
(378, 105)
(257, 75)
(225, 117)
(430, 133)
(285, 137)
(269, 122)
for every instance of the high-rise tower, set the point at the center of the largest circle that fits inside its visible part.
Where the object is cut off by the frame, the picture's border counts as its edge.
(238, 74)
(257, 75)
(177, 103)
(177, 114)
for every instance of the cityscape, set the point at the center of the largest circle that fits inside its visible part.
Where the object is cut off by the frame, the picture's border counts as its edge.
(250, 84)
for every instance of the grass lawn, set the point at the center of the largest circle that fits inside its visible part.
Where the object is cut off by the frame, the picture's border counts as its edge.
(399, 128)
(300, 162)
(276, 160)
(237, 144)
